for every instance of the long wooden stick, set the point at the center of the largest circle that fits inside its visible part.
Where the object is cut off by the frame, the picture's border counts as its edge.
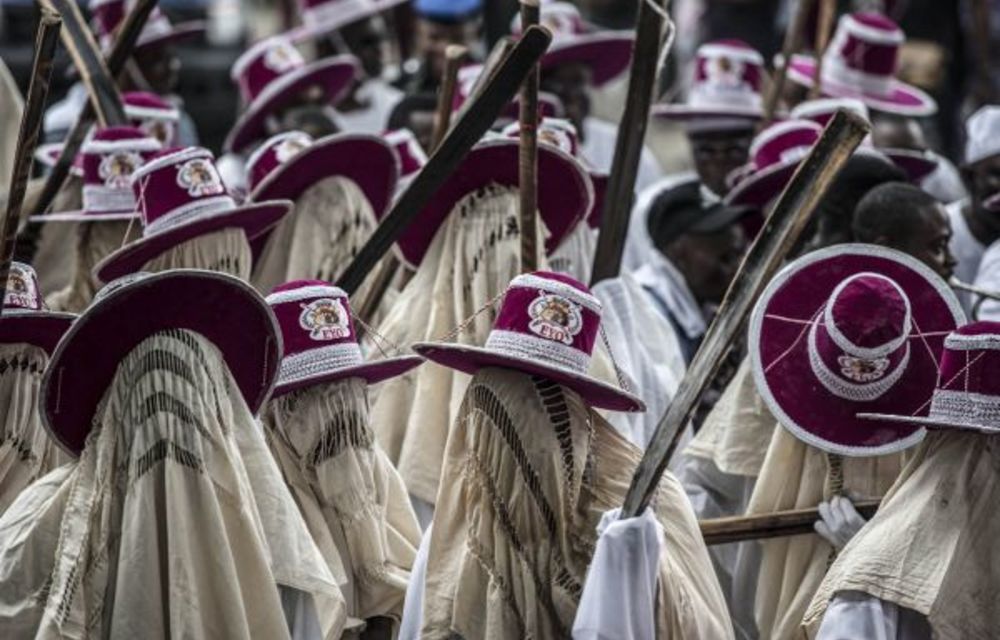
(128, 35)
(789, 217)
(471, 126)
(453, 57)
(527, 159)
(46, 39)
(770, 525)
(82, 47)
(824, 26)
(650, 29)
(791, 45)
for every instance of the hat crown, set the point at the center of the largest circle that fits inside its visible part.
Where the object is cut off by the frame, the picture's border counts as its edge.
(110, 157)
(863, 53)
(276, 151)
(22, 289)
(556, 132)
(340, 11)
(412, 157)
(107, 16)
(264, 63)
(783, 142)
(562, 19)
(153, 115)
(968, 389)
(727, 74)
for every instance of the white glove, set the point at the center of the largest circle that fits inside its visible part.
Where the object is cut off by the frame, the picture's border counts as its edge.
(838, 522)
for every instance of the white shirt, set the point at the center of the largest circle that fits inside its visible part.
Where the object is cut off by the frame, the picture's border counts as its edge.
(669, 288)
(852, 615)
(598, 149)
(381, 98)
(967, 250)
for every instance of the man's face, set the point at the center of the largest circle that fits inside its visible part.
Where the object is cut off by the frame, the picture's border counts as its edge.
(434, 37)
(716, 154)
(570, 83)
(709, 261)
(983, 181)
(895, 132)
(928, 241)
(366, 40)
(160, 67)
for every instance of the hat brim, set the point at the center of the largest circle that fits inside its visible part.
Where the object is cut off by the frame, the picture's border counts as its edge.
(254, 220)
(902, 99)
(917, 164)
(42, 329)
(48, 155)
(333, 75)
(178, 33)
(757, 188)
(929, 423)
(469, 359)
(223, 309)
(686, 113)
(370, 372)
(608, 54)
(318, 28)
(565, 193)
(779, 354)
(79, 215)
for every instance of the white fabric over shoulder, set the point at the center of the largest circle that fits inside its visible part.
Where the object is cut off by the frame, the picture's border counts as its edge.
(853, 614)
(413, 619)
(619, 596)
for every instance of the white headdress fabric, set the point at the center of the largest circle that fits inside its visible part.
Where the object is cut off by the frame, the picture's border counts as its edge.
(161, 533)
(26, 450)
(223, 251)
(982, 134)
(353, 500)
(932, 545)
(575, 254)
(796, 475)
(528, 473)
(94, 242)
(52, 261)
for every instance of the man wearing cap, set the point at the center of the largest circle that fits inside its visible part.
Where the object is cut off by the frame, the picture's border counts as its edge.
(976, 221)
(923, 566)
(439, 23)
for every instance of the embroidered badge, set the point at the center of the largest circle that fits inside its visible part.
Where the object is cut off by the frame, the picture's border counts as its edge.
(723, 71)
(281, 58)
(116, 168)
(291, 145)
(200, 178)
(555, 318)
(21, 291)
(325, 319)
(556, 137)
(162, 130)
(862, 370)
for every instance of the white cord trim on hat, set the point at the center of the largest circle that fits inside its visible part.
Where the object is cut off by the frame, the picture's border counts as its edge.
(842, 341)
(839, 75)
(302, 293)
(879, 36)
(720, 50)
(959, 342)
(965, 408)
(144, 143)
(168, 114)
(317, 361)
(337, 12)
(531, 281)
(707, 96)
(781, 128)
(176, 157)
(841, 388)
(98, 198)
(190, 211)
(534, 348)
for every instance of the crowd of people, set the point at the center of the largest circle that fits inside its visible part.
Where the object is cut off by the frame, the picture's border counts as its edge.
(206, 433)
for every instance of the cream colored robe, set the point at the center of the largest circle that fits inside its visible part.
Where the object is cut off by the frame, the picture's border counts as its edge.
(224, 251)
(94, 242)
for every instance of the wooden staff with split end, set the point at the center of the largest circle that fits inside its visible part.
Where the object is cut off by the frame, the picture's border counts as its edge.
(824, 26)
(527, 157)
(789, 217)
(27, 137)
(792, 44)
(128, 35)
(770, 525)
(454, 55)
(474, 122)
(86, 55)
(651, 26)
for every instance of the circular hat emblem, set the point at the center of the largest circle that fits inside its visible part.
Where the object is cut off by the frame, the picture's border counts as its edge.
(554, 317)
(862, 370)
(200, 178)
(20, 292)
(725, 72)
(290, 146)
(162, 130)
(281, 58)
(117, 168)
(325, 319)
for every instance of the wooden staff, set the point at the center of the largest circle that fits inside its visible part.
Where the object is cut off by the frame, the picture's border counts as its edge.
(474, 122)
(770, 525)
(454, 55)
(86, 55)
(650, 28)
(791, 45)
(46, 39)
(789, 217)
(128, 35)
(527, 157)
(497, 55)
(827, 12)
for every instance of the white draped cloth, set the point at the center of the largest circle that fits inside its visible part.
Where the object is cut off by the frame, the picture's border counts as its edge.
(223, 251)
(93, 242)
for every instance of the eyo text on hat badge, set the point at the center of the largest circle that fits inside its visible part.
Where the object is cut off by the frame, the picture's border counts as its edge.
(861, 369)
(200, 178)
(116, 168)
(554, 317)
(325, 319)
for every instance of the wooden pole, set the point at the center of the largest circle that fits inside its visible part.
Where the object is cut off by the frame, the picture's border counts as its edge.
(46, 39)
(770, 525)
(474, 122)
(453, 57)
(824, 26)
(527, 158)
(789, 217)
(128, 34)
(650, 26)
(792, 44)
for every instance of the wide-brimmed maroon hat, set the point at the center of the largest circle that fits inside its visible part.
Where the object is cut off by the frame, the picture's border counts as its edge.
(108, 15)
(967, 395)
(775, 154)
(549, 105)
(547, 326)
(181, 196)
(272, 74)
(847, 330)
(861, 63)
(608, 54)
(565, 193)
(320, 17)
(25, 318)
(222, 308)
(411, 156)
(728, 76)
(109, 158)
(321, 344)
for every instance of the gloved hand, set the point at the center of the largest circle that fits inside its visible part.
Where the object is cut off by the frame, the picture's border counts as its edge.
(838, 522)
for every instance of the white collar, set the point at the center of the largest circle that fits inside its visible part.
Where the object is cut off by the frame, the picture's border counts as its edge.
(666, 283)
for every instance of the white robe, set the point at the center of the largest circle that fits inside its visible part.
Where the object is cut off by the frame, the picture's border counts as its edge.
(854, 614)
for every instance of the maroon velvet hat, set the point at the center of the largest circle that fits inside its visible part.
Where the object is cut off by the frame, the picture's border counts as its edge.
(607, 53)
(320, 17)
(565, 193)
(109, 159)
(728, 75)
(321, 344)
(25, 318)
(225, 310)
(847, 330)
(775, 154)
(861, 63)
(181, 196)
(273, 74)
(549, 105)
(547, 326)
(107, 16)
(967, 395)
(412, 157)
